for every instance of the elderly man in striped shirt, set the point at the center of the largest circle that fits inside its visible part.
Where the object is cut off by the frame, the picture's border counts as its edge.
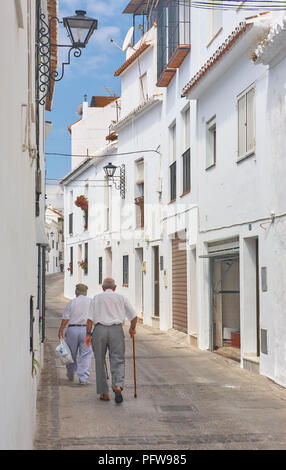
(108, 311)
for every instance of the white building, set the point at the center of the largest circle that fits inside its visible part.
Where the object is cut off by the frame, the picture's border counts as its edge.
(240, 193)
(54, 227)
(22, 170)
(54, 196)
(201, 136)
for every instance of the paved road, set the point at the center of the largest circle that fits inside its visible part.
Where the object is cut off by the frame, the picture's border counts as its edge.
(187, 399)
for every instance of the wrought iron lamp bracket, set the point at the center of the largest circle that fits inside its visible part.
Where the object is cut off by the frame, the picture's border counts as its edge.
(119, 182)
(45, 74)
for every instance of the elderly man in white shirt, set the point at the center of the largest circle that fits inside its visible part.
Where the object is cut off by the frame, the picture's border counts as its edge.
(108, 311)
(75, 315)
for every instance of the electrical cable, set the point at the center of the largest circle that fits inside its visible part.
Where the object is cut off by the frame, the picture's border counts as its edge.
(101, 156)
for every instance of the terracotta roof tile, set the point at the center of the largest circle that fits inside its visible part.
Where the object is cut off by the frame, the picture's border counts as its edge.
(219, 53)
(131, 59)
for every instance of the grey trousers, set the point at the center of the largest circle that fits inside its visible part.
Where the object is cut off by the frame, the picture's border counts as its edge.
(109, 338)
(81, 355)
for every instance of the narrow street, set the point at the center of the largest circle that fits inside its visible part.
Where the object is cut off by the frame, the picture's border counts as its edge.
(186, 398)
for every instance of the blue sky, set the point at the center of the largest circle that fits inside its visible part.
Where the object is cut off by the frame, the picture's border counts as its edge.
(88, 74)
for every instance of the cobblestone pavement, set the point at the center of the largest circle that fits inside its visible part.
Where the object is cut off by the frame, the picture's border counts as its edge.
(186, 399)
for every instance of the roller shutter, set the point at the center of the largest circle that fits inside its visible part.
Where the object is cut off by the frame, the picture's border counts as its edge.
(179, 285)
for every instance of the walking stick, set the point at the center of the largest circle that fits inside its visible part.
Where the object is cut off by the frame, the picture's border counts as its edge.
(134, 366)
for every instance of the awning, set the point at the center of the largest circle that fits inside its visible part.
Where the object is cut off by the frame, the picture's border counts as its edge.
(222, 254)
(137, 7)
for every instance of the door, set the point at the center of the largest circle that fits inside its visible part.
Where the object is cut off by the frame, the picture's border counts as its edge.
(156, 281)
(226, 302)
(179, 285)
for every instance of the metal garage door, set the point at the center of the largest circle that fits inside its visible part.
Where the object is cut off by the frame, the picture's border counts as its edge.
(179, 284)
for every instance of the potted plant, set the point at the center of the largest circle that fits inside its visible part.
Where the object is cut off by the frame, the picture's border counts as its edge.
(82, 202)
(83, 265)
(139, 201)
(70, 268)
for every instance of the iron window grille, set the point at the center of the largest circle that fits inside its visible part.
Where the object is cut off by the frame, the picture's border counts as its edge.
(100, 270)
(71, 224)
(186, 171)
(86, 258)
(125, 270)
(71, 260)
(173, 182)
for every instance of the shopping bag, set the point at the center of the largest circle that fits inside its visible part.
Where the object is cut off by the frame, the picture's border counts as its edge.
(64, 352)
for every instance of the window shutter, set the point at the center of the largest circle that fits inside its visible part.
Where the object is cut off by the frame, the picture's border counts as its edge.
(242, 126)
(250, 131)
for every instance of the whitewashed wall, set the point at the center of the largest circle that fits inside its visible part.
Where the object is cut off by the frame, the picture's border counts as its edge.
(18, 236)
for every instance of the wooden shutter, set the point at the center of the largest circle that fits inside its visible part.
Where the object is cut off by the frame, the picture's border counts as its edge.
(250, 131)
(179, 285)
(242, 126)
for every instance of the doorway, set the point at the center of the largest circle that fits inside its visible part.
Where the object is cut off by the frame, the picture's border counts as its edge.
(226, 306)
(179, 284)
(156, 270)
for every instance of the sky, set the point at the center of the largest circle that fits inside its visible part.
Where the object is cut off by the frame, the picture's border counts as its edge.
(88, 74)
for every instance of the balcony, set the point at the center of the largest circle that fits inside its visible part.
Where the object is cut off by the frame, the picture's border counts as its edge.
(174, 38)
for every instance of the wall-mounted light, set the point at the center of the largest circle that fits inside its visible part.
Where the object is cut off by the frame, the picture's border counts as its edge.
(79, 28)
(119, 183)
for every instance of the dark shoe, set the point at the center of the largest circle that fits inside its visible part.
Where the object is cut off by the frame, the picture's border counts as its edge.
(118, 396)
(104, 397)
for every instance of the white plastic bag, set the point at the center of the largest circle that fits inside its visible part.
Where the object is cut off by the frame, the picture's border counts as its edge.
(64, 352)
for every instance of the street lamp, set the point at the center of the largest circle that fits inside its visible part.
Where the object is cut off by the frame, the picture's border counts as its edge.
(110, 174)
(79, 28)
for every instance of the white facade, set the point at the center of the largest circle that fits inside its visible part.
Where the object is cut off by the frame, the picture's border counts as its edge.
(208, 145)
(88, 133)
(22, 137)
(54, 227)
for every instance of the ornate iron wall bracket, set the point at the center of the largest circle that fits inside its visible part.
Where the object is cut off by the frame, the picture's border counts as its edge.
(45, 48)
(119, 183)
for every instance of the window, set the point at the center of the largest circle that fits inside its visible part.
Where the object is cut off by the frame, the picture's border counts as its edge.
(172, 161)
(172, 143)
(246, 123)
(100, 270)
(143, 90)
(211, 143)
(186, 171)
(85, 270)
(70, 224)
(173, 187)
(187, 129)
(71, 261)
(125, 270)
(215, 18)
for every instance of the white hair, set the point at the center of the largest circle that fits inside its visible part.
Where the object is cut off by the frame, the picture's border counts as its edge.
(108, 283)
